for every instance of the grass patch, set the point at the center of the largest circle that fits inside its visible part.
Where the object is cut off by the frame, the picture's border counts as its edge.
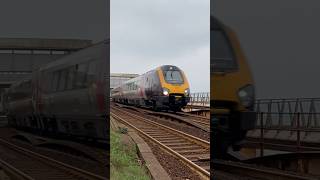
(123, 161)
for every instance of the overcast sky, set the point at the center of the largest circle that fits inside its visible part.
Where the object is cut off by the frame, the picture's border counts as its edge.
(281, 40)
(81, 19)
(146, 34)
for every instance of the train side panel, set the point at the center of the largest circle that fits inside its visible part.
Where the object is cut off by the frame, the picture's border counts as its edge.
(69, 95)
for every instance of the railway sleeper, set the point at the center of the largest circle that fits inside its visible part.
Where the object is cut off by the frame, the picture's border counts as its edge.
(161, 136)
(177, 148)
(167, 138)
(187, 151)
(178, 144)
(199, 157)
(172, 141)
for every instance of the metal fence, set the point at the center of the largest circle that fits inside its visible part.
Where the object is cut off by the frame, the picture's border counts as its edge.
(200, 99)
(284, 113)
(287, 124)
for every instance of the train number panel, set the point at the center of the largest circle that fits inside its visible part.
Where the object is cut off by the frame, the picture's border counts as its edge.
(163, 88)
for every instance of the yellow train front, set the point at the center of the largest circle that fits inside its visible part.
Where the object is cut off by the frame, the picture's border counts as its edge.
(232, 90)
(163, 88)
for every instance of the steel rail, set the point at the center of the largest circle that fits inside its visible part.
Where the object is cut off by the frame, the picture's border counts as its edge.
(48, 160)
(14, 171)
(197, 140)
(204, 173)
(190, 119)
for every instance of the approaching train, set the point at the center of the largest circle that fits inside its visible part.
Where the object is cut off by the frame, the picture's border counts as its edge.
(232, 90)
(165, 87)
(67, 96)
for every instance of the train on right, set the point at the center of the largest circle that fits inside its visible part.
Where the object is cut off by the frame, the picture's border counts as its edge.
(232, 91)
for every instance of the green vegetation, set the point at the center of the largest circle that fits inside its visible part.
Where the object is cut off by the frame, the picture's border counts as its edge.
(123, 160)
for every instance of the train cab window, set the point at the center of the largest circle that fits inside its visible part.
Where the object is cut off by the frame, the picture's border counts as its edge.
(222, 57)
(81, 76)
(173, 76)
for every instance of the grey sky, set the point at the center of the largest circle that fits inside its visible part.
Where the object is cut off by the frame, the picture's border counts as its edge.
(281, 40)
(146, 34)
(83, 19)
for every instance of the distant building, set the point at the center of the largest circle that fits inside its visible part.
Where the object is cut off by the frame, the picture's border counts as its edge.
(116, 79)
(20, 56)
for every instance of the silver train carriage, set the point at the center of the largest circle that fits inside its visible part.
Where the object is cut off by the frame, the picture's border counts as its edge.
(68, 96)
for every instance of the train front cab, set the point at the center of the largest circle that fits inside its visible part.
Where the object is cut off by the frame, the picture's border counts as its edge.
(175, 88)
(232, 89)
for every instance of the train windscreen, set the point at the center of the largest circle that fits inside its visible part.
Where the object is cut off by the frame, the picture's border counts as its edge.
(173, 76)
(222, 57)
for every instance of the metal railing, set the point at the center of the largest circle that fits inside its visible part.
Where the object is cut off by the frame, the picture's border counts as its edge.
(292, 136)
(200, 99)
(284, 112)
(287, 121)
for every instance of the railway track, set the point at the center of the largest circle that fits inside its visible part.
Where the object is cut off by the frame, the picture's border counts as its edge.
(191, 150)
(200, 122)
(248, 172)
(203, 121)
(28, 165)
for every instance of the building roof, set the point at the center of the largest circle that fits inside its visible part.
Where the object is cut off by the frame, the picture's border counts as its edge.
(43, 44)
(125, 75)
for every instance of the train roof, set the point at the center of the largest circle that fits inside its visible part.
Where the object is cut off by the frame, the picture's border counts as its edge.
(64, 59)
(165, 67)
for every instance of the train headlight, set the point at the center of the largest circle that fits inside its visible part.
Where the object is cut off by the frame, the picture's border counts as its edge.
(246, 96)
(165, 91)
(187, 92)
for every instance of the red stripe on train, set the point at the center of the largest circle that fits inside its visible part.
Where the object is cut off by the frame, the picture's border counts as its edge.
(101, 97)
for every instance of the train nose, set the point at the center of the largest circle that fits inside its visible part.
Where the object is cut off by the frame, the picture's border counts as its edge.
(175, 99)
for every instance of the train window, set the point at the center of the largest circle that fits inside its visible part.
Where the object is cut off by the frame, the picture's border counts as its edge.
(173, 76)
(135, 85)
(221, 50)
(63, 79)
(71, 77)
(91, 72)
(81, 76)
(55, 81)
(50, 82)
(43, 79)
